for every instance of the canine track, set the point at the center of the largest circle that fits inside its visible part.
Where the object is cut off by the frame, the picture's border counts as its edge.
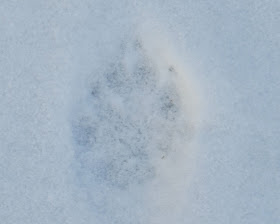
(136, 122)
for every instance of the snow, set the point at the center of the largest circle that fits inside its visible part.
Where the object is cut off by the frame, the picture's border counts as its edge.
(139, 112)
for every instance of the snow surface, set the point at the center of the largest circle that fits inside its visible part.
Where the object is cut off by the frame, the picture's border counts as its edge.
(139, 112)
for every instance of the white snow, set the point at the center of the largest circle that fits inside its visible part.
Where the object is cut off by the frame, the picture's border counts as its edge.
(139, 112)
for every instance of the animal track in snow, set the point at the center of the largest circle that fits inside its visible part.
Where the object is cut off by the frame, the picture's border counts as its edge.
(137, 118)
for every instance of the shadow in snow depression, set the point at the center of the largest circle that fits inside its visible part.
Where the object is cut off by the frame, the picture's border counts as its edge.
(133, 124)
